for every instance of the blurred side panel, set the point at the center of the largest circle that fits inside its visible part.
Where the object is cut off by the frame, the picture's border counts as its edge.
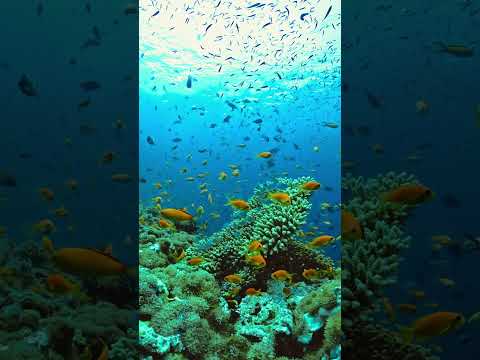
(68, 179)
(411, 121)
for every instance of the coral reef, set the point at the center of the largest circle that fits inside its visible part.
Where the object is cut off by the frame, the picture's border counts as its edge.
(189, 309)
(370, 264)
(37, 322)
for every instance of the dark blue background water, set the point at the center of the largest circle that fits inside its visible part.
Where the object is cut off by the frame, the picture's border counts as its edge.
(388, 52)
(40, 43)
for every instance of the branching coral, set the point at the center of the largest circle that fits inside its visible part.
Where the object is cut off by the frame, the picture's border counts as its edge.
(371, 263)
(275, 225)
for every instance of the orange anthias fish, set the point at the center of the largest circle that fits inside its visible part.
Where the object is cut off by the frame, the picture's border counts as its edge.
(85, 261)
(165, 224)
(280, 197)
(47, 194)
(265, 155)
(195, 261)
(176, 214)
(238, 204)
(311, 274)
(58, 284)
(104, 354)
(44, 226)
(61, 212)
(282, 275)
(436, 324)
(233, 278)
(255, 245)
(253, 292)
(410, 194)
(121, 178)
(311, 185)
(320, 241)
(256, 261)
(351, 228)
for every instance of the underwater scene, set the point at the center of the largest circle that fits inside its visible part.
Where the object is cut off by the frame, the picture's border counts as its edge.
(410, 127)
(239, 243)
(68, 180)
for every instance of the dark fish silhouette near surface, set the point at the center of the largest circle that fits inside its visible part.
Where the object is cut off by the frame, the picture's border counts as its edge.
(26, 86)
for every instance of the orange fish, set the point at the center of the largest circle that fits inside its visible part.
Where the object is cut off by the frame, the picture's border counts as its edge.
(46, 194)
(280, 197)
(233, 278)
(320, 241)
(238, 204)
(104, 354)
(58, 284)
(195, 261)
(85, 261)
(410, 194)
(176, 214)
(311, 185)
(44, 226)
(108, 157)
(282, 275)
(351, 228)
(253, 292)
(255, 245)
(122, 178)
(61, 212)
(165, 224)
(436, 324)
(265, 155)
(256, 261)
(287, 291)
(310, 274)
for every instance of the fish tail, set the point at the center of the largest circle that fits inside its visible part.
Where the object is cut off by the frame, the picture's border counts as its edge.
(132, 272)
(439, 46)
(407, 334)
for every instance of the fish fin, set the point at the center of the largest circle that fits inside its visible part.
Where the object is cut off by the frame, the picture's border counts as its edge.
(132, 272)
(108, 249)
(407, 334)
(439, 46)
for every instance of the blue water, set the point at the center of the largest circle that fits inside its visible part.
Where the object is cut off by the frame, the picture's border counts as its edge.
(101, 211)
(389, 53)
(293, 98)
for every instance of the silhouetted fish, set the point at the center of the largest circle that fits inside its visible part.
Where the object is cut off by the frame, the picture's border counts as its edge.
(26, 86)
